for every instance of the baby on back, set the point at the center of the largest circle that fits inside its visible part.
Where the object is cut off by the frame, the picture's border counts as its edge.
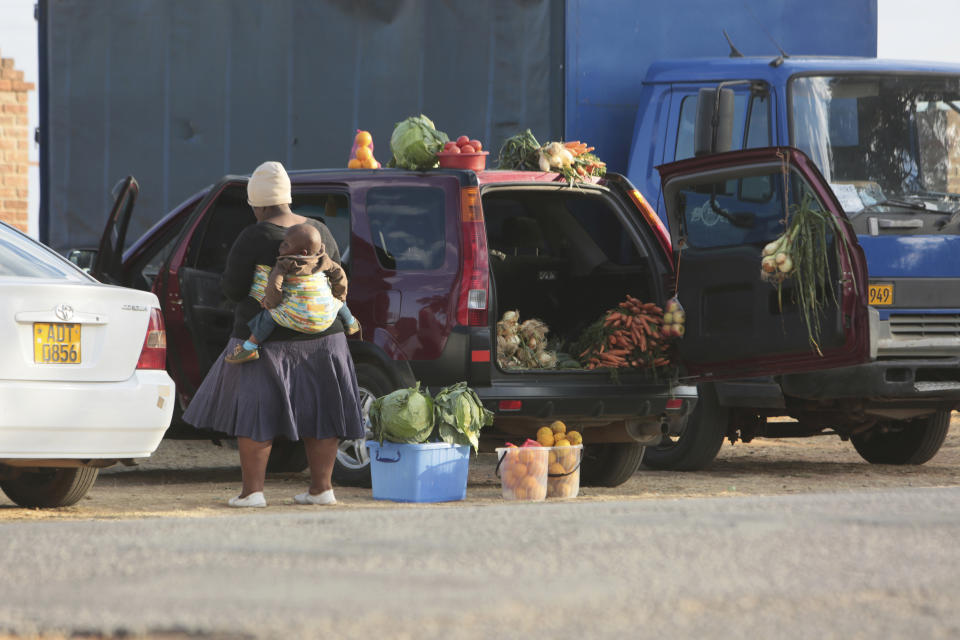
(304, 291)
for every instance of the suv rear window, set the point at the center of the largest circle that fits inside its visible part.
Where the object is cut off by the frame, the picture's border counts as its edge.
(408, 227)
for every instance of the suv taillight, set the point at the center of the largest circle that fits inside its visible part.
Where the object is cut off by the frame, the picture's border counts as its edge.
(154, 352)
(474, 284)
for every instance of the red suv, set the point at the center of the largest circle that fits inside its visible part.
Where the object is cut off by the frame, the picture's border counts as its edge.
(435, 257)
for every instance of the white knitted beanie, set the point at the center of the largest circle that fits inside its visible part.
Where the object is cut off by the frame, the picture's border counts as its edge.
(269, 185)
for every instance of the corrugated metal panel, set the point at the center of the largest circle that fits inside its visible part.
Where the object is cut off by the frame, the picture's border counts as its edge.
(180, 92)
(611, 43)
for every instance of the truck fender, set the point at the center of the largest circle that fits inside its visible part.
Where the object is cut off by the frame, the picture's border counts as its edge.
(379, 353)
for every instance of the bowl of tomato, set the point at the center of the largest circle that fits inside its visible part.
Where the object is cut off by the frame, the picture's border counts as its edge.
(463, 153)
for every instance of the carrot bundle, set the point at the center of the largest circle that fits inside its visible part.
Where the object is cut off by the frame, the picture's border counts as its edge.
(629, 336)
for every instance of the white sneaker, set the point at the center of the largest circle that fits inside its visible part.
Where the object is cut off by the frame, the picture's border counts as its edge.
(325, 497)
(255, 499)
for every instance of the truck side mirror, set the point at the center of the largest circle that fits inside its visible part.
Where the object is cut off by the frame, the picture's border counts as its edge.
(713, 131)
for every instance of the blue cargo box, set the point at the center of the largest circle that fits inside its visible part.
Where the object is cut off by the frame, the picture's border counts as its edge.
(427, 472)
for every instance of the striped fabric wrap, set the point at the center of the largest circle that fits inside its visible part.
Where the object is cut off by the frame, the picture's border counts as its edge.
(308, 306)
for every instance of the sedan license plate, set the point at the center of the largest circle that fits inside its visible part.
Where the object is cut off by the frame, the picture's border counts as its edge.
(56, 343)
(881, 294)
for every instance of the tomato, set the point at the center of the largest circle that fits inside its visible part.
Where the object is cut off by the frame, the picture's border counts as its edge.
(453, 149)
(476, 145)
(462, 140)
(450, 145)
(467, 149)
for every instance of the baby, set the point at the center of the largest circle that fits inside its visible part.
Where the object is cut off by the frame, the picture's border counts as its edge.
(301, 254)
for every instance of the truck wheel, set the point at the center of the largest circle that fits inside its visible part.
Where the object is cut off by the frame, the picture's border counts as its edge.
(609, 464)
(49, 487)
(353, 458)
(287, 456)
(698, 443)
(903, 441)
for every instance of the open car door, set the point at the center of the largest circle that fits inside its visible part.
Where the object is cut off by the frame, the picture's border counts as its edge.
(723, 210)
(108, 264)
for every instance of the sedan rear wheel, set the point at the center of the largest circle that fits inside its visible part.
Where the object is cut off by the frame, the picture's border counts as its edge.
(43, 488)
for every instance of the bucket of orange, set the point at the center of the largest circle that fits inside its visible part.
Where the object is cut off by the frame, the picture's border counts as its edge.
(565, 452)
(523, 471)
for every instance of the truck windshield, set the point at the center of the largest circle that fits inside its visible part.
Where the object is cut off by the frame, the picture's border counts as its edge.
(887, 144)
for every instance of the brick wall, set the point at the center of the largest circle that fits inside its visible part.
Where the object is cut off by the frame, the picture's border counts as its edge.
(14, 138)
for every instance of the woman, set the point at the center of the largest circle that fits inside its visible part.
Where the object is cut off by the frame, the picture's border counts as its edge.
(303, 386)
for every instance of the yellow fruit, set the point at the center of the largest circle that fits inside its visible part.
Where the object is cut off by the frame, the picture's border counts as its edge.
(364, 154)
(545, 439)
(574, 437)
(563, 442)
(363, 139)
(354, 164)
(370, 163)
(557, 468)
(558, 427)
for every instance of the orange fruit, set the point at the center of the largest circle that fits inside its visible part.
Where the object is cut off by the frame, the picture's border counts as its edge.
(364, 153)
(354, 164)
(370, 163)
(545, 436)
(363, 138)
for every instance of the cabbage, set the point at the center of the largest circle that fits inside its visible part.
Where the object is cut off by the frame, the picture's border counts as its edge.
(404, 416)
(460, 415)
(415, 142)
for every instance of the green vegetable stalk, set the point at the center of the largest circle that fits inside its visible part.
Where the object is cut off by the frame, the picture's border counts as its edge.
(460, 415)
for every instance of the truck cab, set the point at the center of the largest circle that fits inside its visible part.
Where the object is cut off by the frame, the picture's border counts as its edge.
(884, 135)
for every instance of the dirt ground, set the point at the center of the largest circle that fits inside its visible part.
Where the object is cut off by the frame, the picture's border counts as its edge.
(195, 479)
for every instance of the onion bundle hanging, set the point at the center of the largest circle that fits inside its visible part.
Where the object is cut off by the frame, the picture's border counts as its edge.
(803, 254)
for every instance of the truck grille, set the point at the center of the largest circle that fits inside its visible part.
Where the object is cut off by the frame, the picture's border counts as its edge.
(929, 325)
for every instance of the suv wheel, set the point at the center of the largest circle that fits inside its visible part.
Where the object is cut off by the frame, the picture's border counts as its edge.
(48, 487)
(903, 441)
(353, 458)
(609, 464)
(287, 457)
(698, 443)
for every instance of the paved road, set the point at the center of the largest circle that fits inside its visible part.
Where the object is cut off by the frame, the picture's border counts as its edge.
(853, 565)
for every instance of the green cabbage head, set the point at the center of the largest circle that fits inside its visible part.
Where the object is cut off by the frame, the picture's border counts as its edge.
(415, 142)
(404, 416)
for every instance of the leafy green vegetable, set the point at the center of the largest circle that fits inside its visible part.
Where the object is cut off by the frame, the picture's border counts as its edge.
(415, 143)
(404, 416)
(520, 152)
(460, 415)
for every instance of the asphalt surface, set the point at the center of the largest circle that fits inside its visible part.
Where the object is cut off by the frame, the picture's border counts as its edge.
(862, 564)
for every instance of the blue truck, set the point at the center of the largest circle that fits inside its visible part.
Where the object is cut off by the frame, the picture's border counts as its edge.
(886, 136)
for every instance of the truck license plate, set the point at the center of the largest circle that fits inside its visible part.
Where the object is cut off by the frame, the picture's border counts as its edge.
(56, 343)
(881, 294)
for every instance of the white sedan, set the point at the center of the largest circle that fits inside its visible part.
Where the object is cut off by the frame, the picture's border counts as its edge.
(82, 378)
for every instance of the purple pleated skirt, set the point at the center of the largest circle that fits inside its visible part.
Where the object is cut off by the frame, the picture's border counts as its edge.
(297, 389)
